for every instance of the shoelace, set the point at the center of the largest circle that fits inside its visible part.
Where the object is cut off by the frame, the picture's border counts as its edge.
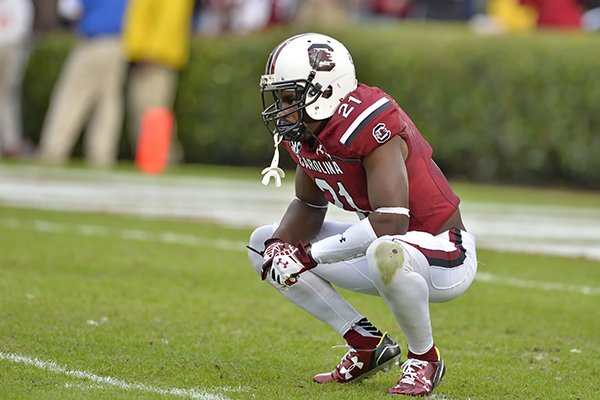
(410, 370)
(347, 354)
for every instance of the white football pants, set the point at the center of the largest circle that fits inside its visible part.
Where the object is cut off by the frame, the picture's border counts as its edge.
(428, 269)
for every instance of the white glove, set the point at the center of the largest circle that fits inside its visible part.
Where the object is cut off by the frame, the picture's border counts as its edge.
(285, 269)
(282, 262)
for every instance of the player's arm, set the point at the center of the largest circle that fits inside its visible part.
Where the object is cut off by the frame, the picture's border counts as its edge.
(282, 260)
(387, 182)
(388, 194)
(305, 214)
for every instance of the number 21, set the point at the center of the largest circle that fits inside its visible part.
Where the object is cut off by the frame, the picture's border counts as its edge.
(345, 108)
(342, 191)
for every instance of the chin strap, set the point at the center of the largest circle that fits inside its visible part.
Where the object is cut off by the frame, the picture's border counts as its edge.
(273, 171)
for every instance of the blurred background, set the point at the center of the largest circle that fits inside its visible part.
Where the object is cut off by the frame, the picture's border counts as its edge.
(505, 91)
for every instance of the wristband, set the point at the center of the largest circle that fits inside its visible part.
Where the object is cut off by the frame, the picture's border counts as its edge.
(312, 205)
(353, 242)
(272, 240)
(393, 210)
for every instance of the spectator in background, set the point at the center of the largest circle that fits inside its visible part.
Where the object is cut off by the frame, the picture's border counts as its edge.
(244, 16)
(502, 16)
(442, 10)
(156, 38)
(324, 12)
(233, 16)
(16, 19)
(283, 11)
(90, 86)
(391, 8)
(46, 16)
(446, 10)
(590, 20)
(557, 14)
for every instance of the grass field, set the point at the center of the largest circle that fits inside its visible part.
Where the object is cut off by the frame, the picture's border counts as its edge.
(100, 306)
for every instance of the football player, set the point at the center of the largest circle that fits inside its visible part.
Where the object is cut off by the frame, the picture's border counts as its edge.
(356, 148)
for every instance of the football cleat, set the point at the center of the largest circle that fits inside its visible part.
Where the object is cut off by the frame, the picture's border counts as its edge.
(358, 364)
(419, 377)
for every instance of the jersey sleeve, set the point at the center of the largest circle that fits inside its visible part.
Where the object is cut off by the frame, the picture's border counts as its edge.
(374, 126)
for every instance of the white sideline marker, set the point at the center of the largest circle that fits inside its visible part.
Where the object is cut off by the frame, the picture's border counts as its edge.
(51, 366)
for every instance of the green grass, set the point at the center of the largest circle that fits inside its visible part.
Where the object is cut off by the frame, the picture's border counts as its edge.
(115, 297)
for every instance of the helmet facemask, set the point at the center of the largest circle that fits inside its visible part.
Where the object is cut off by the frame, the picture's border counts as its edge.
(283, 99)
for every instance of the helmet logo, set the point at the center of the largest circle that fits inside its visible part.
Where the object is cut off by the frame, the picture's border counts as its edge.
(320, 57)
(381, 133)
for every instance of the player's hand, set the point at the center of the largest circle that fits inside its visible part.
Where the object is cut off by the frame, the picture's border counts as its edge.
(272, 247)
(289, 263)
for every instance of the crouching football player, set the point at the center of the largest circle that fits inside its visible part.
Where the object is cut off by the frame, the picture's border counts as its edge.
(356, 148)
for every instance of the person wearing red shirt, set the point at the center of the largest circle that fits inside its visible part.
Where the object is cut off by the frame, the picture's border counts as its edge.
(561, 14)
(357, 149)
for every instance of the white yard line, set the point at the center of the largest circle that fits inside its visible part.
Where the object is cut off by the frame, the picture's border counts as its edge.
(193, 240)
(127, 234)
(526, 284)
(51, 366)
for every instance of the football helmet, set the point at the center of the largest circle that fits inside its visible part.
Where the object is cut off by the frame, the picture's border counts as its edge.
(308, 74)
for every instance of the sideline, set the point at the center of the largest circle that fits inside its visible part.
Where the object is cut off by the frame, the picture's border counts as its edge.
(553, 230)
(51, 366)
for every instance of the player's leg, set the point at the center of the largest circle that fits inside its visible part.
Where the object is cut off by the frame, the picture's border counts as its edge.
(402, 271)
(370, 351)
(311, 293)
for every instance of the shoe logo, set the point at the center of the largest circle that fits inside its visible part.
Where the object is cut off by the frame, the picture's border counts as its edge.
(347, 371)
(427, 384)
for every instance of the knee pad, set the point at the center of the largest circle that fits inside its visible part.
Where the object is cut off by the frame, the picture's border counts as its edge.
(386, 257)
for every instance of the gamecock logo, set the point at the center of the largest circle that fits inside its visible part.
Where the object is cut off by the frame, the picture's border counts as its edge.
(381, 133)
(320, 57)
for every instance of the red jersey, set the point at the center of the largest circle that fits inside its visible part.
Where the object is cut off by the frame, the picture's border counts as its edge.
(366, 119)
